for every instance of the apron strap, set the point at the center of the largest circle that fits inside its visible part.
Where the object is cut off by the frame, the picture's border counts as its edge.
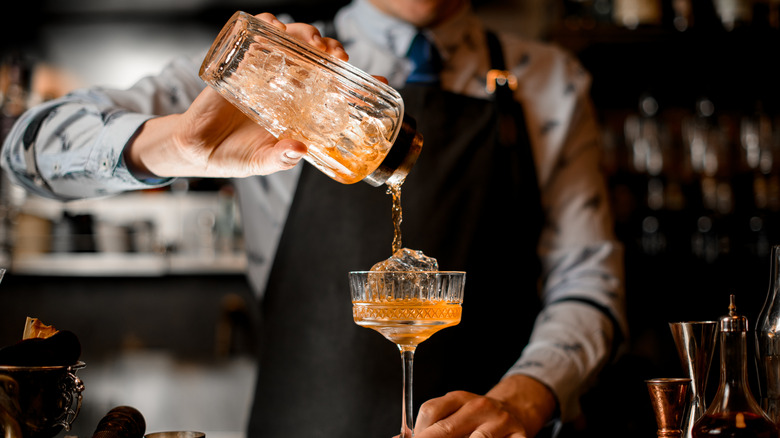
(502, 83)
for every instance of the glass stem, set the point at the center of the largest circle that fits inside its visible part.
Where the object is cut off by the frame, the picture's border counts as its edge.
(407, 415)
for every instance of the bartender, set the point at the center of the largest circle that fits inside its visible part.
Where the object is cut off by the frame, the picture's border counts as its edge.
(507, 188)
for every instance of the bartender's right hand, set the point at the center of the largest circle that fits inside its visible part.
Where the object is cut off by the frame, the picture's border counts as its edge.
(215, 139)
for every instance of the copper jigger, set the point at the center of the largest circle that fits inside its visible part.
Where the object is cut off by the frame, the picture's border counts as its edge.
(669, 397)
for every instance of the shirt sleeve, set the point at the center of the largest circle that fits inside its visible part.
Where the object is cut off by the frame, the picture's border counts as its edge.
(71, 147)
(583, 323)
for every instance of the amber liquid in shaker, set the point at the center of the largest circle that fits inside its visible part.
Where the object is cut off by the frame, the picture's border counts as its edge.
(353, 124)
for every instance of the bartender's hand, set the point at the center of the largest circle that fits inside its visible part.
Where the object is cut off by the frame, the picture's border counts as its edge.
(213, 138)
(517, 407)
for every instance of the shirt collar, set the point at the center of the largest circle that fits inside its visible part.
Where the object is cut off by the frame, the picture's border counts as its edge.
(396, 35)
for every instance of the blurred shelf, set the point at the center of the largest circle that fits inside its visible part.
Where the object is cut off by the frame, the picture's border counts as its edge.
(127, 265)
(142, 234)
(194, 264)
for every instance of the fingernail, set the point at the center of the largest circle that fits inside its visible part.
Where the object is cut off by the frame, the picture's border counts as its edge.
(293, 155)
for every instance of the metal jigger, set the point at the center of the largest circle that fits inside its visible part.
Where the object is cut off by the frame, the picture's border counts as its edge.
(695, 342)
(669, 397)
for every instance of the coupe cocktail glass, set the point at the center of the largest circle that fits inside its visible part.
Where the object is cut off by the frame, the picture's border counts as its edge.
(407, 307)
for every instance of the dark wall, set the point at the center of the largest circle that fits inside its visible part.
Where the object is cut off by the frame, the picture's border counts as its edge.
(180, 314)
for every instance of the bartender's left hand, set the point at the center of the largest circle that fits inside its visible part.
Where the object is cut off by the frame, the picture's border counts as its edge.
(517, 407)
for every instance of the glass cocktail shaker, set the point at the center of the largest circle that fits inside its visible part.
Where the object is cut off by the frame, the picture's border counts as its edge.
(353, 124)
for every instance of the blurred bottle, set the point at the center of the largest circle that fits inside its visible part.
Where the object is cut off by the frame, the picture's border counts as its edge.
(635, 13)
(708, 155)
(757, 182)
(764, 15)
(681, 12)
(734, 14)
(121, 422)
(586, 14)
(774, 14)
(644, 135)
(15, 78)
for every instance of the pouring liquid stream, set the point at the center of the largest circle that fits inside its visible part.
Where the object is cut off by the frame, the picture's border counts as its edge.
(404, 305)
(395, 192)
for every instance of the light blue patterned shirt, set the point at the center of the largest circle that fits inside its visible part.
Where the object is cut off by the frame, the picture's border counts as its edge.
(71, 148)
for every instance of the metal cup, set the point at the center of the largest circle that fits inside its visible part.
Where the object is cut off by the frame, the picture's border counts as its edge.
(39, 401)
(669, 397)
(695, 341)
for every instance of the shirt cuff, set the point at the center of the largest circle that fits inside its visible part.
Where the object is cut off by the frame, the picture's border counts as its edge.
(554, 370)
(107, 161)
(569, 347)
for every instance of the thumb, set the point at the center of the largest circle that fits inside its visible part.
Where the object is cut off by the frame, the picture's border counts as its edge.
(288, 153)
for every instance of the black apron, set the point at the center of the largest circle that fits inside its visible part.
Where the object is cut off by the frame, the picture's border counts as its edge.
(472, 202)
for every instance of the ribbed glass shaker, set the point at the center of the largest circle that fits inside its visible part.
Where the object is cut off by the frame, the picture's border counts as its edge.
(353, 124)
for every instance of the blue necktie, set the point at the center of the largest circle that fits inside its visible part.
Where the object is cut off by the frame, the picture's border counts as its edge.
(425, 59)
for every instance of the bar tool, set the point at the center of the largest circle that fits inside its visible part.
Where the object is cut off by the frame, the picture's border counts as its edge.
(39, 401)
(695, 341)
(669, 397)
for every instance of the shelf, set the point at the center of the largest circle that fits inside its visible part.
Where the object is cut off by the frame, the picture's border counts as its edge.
(127, 265)
(146, 234)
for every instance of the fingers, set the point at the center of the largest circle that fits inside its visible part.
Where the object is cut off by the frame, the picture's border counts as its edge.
(284, 155)
(268, 159)
(462, 414)
(447, 417)
(272, 20)
(435, 409)
(311, 35)
(293, 152)
(335, 48)
(308, 34)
